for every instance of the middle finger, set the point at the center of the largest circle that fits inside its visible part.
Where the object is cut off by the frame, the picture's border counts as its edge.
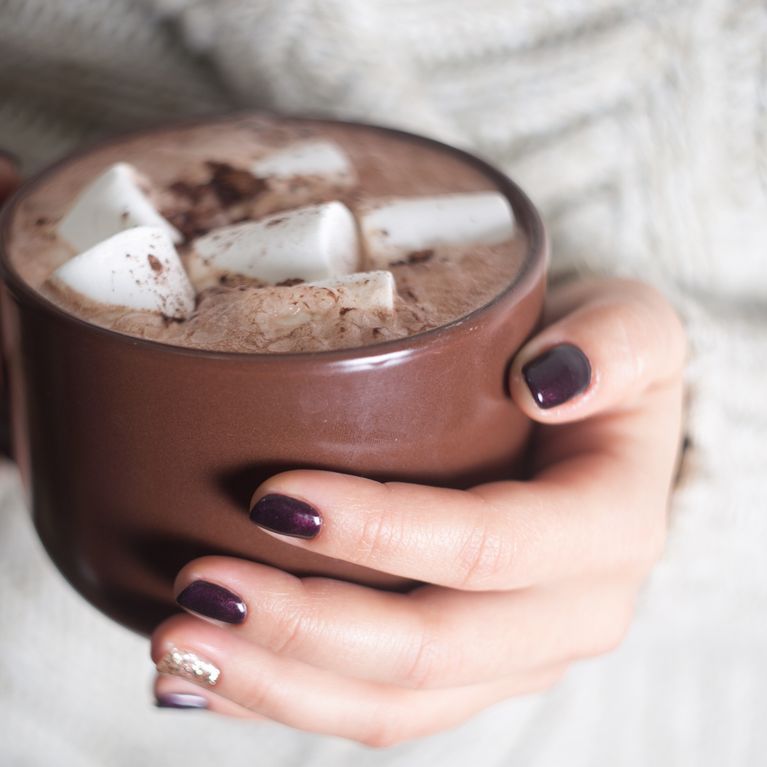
(431, 637)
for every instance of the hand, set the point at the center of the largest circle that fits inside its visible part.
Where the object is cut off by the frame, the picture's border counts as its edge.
(522, 578)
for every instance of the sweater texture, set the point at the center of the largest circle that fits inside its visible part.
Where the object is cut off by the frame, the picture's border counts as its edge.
(639, 127)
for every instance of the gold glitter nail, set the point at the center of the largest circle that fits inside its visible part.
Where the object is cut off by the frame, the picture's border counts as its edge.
(189, 666)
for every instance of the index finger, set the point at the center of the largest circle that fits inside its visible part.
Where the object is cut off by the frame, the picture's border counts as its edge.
(597, 502)
(589, 512)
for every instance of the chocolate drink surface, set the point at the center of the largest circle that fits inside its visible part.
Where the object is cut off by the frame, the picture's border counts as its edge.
(265, 235)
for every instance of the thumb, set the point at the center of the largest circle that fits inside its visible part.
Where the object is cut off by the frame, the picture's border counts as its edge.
(610, 342)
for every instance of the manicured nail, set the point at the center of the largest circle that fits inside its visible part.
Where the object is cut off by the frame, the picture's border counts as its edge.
(213, 601)
(557, 375)
(287, 516)
(188, 665)
(180, 700)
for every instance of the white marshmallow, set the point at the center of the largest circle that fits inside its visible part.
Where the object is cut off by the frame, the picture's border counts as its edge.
(309, 158)
(309, 243)
(289, 307)
(138, 269)
(392, 229)
(111, 203)
(371, 291)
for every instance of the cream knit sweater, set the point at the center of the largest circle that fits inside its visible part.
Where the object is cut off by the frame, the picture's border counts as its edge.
(640, 129)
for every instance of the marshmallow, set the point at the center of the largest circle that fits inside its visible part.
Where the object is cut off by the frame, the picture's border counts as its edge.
(137, 269)
(309, 243)
(110, 204)
(310, 158)
(370, 291)
(291, 306)
(393, 229)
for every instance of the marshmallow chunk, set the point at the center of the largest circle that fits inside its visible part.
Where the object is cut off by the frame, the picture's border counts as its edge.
(138, 269)
(309, 158)
(291, 306)
(112, 203)
(309, 243)
(394, 228)
(368, 291)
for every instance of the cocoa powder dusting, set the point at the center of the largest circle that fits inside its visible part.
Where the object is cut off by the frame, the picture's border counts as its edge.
(417, 257)
(232, 185)
(187, 190)
(199, 178)
(215, 202)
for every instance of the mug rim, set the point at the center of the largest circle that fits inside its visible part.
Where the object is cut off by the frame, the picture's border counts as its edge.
(525, 212)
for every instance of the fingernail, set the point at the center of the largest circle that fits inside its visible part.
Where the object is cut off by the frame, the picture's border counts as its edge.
(213, 601)
(188, 665)
(180, 700)
(285, 515)
(557, 375)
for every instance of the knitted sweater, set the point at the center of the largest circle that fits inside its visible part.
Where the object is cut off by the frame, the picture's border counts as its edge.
(640, 129)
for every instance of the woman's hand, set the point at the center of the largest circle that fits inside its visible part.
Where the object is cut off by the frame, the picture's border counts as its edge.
(522, 578)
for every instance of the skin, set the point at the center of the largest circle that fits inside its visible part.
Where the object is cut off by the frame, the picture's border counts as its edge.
(521, 578)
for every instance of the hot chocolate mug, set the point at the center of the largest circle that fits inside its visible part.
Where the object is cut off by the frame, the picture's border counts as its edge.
(139, 456)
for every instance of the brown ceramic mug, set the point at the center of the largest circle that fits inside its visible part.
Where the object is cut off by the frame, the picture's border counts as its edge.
(139, 456)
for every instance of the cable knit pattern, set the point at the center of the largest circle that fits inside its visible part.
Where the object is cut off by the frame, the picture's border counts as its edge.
(640, 129)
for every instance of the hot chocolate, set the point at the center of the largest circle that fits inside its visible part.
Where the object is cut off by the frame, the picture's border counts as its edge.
(141, 456)
(262, 235)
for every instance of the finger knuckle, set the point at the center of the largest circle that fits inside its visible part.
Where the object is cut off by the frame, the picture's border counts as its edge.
(629, 336)
(382, 734)
(639, 292)
(485, 559)
(377, 535)
(650, 308)
(289, 631)
(258, 695)
(378, 740)
(429, 657)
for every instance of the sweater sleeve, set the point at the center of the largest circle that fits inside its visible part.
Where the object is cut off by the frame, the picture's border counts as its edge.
(639, 130)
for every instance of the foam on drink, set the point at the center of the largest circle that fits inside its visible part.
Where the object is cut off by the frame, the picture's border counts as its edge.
(298, 236)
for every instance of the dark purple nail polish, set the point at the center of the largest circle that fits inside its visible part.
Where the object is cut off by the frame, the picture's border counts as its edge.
(288, 516)
(180, 700)
(557, 375)
(213, 601)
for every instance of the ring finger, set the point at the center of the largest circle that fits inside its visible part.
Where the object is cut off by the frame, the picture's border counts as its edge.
(432, 637)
